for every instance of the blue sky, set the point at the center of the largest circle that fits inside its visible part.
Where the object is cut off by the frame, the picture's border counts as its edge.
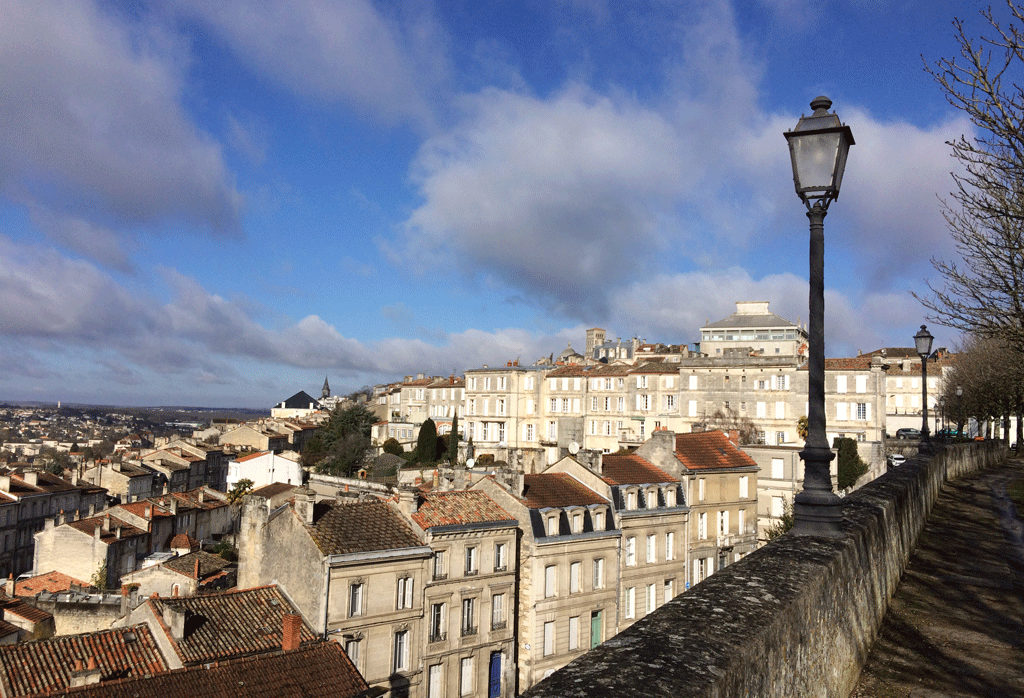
(220, 203)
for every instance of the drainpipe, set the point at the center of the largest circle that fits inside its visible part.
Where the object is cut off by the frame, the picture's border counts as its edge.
(327, 596)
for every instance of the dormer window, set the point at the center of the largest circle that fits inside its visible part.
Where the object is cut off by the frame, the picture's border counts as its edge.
(631, 499)
(599, 520)
(670, 496)
(577, 523)
(553, 525)
(651, 498)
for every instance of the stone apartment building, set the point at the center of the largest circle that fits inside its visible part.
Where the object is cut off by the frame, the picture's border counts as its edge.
(567, 567)
(720, 486)
(469, 592)
(356, 572)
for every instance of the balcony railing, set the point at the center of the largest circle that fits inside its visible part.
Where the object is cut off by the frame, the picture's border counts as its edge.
(468, 630)
(436, 636)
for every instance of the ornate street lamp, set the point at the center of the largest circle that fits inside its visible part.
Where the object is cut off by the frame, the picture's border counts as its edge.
(923, 345)
(959, 412)
(818, 147)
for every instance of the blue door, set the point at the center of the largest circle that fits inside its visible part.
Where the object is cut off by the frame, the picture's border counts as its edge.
(494, 684)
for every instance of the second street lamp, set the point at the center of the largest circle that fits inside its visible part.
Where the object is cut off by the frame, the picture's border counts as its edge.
(923, 346)
(818, 147)
(959, 412)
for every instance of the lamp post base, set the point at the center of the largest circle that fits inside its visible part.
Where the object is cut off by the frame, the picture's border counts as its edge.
(817, 513)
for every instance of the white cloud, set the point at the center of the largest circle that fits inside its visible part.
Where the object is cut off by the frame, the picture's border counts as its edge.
(343, 51)
(91, 125)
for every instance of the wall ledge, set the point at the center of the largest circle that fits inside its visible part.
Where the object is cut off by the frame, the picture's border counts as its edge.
(795, 618)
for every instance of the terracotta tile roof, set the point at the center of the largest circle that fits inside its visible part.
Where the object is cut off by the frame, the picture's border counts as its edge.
(653, 366)
(322, 670)
(251, 456)
(894, 352)
(710, 450)
(183, 540)
(17, 607)
(190, 500)
(44, 666)
(361, 527)
(88, 527)
(229, 625)
(186, 564)
(7, 629)
(611, 370)
(48, 482)
(856, 363)
(558, 490)
(274, 488)
(139, 509)
(52, 582)
(460, 507)
(632, 470)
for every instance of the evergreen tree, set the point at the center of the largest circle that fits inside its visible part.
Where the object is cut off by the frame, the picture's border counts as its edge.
(453, 441)
(426, 444)
(850, 466)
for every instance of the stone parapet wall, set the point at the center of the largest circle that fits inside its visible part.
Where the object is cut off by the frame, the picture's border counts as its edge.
(795, 618)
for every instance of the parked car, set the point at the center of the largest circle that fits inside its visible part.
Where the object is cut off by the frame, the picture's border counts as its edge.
(913, 434)
(896, 459)
(950, 433)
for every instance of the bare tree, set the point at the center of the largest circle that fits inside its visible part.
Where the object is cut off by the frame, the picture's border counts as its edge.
(992, 379)
(984, 292)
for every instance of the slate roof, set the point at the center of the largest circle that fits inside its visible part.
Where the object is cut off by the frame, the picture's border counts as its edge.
(459, 507)
(632, 470)
(608, 370)
(300, 401)
(231, 624)
(544, 490)
(710, 450)
(361, 527)
(318, 671)
(569, 370)
(43, 666)
(751, 320)
(52, 582)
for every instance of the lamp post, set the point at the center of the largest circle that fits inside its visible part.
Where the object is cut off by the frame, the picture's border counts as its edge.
(959, 412)
(818, 147)
(923, 345)
(941, 418)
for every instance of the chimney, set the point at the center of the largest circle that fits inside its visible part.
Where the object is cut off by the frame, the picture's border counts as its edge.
(5, 483)
(117, 532)
(106, 523)
(407, 500)
(196, 574)
(9, 586)
(87, 675)
(148, 511)
(174, 506)
(174, 619)
(96, 533)
(32, 477)
(303, 499)
(291, 631)
(199, 495)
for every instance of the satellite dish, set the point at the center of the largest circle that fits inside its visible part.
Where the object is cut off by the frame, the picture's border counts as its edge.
(470, 463)
(574, 448)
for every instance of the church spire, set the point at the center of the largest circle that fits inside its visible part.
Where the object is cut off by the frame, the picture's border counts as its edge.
(326, 391)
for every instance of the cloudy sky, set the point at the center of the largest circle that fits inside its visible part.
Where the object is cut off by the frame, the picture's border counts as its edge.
(219, 203)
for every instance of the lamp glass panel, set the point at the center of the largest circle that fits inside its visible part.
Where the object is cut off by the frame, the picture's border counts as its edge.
(815, 158)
